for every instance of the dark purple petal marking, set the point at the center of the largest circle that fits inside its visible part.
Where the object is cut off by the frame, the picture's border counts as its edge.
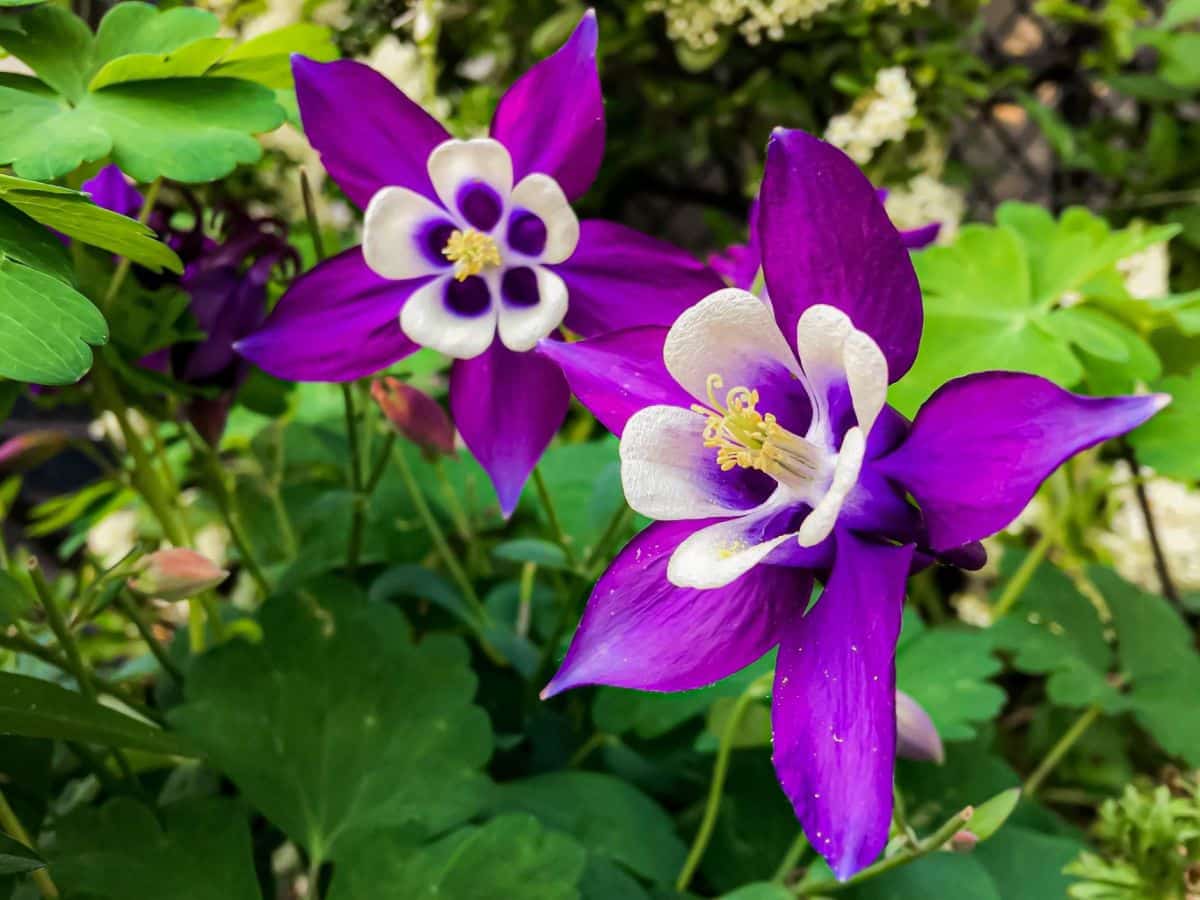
(982, 444)
(526, 233)
(834, 714)
(432, 237)
(469, 298)
(480, 205)
(519, 287)
(640, 631)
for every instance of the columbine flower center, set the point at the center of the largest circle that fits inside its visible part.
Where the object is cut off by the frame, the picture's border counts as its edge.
(745, 438)
(471, 251)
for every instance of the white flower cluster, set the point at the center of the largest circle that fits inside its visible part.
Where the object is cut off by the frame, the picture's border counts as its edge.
(877, 117)
(1176, 515)
(698, 23)
(1147, 272)
(400, 62)
(923, 200)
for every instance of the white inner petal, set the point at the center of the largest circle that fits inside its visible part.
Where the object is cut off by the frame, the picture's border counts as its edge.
(521, 327)
(720, 554)
(454, 163)
(730, 333)
(542, 196)
(832, 353)
(819, 523)
(427, 320)
(867, 378)
(393, 230)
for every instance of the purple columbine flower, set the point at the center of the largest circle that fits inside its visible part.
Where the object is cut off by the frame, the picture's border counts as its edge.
(739, 264)
(471, 248)
(759, 436)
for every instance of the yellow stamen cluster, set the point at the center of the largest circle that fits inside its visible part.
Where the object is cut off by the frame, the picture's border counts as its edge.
(745, 438)
(473, 252)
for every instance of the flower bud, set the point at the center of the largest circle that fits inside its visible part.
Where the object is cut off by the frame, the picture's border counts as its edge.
(916, 736)
(175, 574)
(31, 449)
(963, 841)
(414, 414)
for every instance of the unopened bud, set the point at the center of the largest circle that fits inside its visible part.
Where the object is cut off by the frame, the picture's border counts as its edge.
(916, 736)
(176, 574)
(963, 841)
(31, 449)
(415, 415)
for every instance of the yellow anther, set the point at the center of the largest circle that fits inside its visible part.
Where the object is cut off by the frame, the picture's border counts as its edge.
(745, 438)
(473, 252)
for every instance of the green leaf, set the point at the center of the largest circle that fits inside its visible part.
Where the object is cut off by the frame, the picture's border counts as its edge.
(23, 240)
(76, 216)
(946, 671)
(338, 725)
(15, 600)
(1164, 443)
(936, 875)
(763, 890)
(45, 327)
(585, 482)
(267, 58)
(511, 856)
(1180, 12)
(532, 550)
(56, 44)
(611, 817)
(191, 60)
(135, 27)
(604, 880)
(16, 858)
(201, 852)
(993, 813)
(36, 708)
(1028, 864)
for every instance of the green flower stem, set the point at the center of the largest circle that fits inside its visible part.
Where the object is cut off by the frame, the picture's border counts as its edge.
(381, 461)
(66, 641)
(1020, 578)
(122, 270)
(437, 535)
(556, 529)
(152, 643)
(11, 824)
(477, 559)
(588, 747)
(716, 787)
(900, 817)
(1059, 750)
(791, 859)
(908, 855)
(617, 524)
(358, 522)
(1162, 569)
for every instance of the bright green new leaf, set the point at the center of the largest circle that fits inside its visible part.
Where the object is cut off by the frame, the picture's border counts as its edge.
(73, 214)
(189, 61)
(136, 27)
(35, 708)
(1165, 443)
(338, 725)
(202, 851)
(511, 856)
(1180, 12)
(16, 858)
(267, 58)
(609, 816)
(45, 327)
(991, 814)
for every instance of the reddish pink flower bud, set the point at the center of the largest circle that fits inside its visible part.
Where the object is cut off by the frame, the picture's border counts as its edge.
(176, 574)
(31, 449)
(963, 841)
(416, 415)
(916, 736)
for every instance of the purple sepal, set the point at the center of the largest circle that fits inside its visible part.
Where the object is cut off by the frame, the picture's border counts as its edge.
(916, 238)
(110, 189)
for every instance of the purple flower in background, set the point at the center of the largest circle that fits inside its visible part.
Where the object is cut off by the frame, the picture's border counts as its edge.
(471, 248)
(759, 437)
(739, 264)
(226, 282)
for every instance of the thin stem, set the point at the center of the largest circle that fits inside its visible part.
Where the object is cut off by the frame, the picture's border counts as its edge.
(715, 789)
(10, 823)
(1059, 750)
(436, 534)
(1170, 591)
(1020, 578)
(310, 213)
(791, 859)
(66, 641)
(903, 858)
(122, 270)
(525, 599)
(900, 817)
(381, 459)
(357, 523)
(556, 529)
(619, 522)
(143, 628)
(477, 559)
(587, 748)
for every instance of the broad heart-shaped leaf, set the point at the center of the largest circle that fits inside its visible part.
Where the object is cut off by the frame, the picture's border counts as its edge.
(1155, 648)
(56, 44)
(35, 708)
(15, 857)
(190, 61)
(336, 725)
(73, 214)
(267, 58)
(935, 876)
(45, 327)
(946, 671)
(1007, 297)
(509, 857)
(1166, 443)
(186, 129)
(609, 816)
(201, 851)
(1054, 630)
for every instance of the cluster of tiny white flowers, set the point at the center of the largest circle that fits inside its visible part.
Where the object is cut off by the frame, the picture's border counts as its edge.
(400, 62)
(877, 117)
(1147, 272)
(282, 13)
(1176, 509)
(699, 23)
(924, 200)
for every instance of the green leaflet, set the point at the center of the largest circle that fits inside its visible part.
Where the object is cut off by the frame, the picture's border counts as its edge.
(337, 725)
(1032, 294)
(1164, 443)
(15, 857)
